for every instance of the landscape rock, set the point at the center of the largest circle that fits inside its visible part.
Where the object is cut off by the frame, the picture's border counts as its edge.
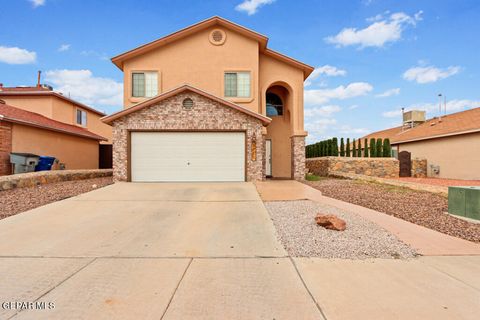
(331, 222)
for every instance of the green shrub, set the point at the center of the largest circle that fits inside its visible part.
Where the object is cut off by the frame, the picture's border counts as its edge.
(365, 153)
(342, 148)
(373, 150)
(335, 147)
(359, 150)
(379, 151)
(347, 153)
(354, 149)
(387, 148)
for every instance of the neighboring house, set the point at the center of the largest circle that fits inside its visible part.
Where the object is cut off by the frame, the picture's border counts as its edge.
(41, 99)
(450, 143)
(209, 103)
(28, 132)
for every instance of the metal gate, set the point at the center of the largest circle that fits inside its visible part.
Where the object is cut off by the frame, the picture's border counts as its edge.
(405, 159)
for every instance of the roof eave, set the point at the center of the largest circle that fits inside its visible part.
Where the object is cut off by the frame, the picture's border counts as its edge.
(436, 136)
(109, 119)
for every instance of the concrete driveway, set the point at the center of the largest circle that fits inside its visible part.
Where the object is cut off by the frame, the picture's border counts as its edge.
(203, 251)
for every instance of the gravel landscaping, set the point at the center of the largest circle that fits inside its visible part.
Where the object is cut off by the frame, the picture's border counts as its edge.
(302, 237)
(22, 199)
(419, 207)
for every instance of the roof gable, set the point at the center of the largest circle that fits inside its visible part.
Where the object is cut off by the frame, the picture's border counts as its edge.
(12, 114)
(109, 119)
(214, 21)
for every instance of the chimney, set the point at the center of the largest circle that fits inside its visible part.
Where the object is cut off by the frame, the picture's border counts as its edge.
(38, 78)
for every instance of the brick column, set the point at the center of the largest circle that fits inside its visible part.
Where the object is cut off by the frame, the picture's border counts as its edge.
(298, 157)
(5, 147)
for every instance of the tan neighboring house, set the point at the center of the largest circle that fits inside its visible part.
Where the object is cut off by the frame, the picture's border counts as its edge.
(209, 103)
(450, 143)
(40, 121)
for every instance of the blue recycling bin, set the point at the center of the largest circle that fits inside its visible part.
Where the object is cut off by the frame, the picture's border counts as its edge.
(45, 163)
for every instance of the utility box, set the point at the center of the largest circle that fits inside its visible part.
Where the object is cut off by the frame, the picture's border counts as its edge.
(23, 162)
(464, 202)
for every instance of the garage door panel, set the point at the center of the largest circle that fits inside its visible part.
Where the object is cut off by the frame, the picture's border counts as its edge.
(188, 156)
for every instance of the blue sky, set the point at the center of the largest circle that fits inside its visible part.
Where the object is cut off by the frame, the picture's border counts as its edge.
(372, 56)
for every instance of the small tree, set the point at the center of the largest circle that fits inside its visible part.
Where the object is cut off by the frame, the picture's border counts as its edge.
(330, 147)
(335, 146)
(373, 150)
(359, 152)
(347, 153)
(354, 149)
(365, 153)
(387, 148)
(342, 148)
(379, 151)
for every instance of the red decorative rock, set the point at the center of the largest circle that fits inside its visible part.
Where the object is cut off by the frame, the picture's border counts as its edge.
(331, 222)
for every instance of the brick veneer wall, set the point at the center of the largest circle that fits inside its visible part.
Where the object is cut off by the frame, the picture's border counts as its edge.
(5, 147)
(375, 167)
(419, 168)
(298, 158)
(206, 114)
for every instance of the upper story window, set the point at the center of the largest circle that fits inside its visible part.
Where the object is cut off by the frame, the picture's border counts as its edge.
(237, 84)
(274, 105)
(144, 84)
(81, 118)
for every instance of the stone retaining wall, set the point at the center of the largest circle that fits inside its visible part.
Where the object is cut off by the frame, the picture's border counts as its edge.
(419, 168)
(32, 179)
(374, 167)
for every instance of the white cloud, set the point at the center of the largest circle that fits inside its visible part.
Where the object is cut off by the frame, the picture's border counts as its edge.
(353, 107)
(81, 85)
(452, 106)
(347, 129)
(323, 111)
(251, 6)
(429, 74)
(327, 70)
(14, 55)
(321, 96)
(37, 3)
(64, 47)
(378, 33)
(389, 93)
(318, 127)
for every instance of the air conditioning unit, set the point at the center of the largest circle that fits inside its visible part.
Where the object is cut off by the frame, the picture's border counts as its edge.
(414, 116)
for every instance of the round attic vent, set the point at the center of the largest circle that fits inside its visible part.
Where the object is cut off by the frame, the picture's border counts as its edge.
(217, 37)
(187, 103)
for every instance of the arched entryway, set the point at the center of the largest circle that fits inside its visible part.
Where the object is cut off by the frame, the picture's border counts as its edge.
(278, 106)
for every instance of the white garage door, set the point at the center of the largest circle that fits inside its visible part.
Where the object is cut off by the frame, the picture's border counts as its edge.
(187, 156)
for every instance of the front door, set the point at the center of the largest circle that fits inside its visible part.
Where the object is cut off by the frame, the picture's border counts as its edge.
(268, 157)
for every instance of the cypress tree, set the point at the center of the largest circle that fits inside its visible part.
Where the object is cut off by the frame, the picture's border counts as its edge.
(365, 154)
(347, 154)
(324, 150)
(354, 149)
(342, 148)
(330, 147)
(335, 147)
(317, 149)
(379, 148)
(373, 150)
(387, 148)
(320, 149)
(359, 152)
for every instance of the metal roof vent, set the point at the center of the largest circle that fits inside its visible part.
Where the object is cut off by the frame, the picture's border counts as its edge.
(187, 103)
(217, 37)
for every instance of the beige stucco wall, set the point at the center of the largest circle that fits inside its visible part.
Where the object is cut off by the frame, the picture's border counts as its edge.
(41, 105)
(458, 156)
(196, 61)
(75, 152)
(60, 110)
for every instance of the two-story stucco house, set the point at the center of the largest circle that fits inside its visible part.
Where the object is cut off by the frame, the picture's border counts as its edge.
(41, 121)
(209, 103)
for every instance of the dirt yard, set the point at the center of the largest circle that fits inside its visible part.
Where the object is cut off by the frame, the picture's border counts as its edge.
(441, 182)
(420, 207)
(22, 199)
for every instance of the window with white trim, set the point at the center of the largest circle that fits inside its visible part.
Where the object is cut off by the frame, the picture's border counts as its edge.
(81, 117)
(144, 84)
(237, 84)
